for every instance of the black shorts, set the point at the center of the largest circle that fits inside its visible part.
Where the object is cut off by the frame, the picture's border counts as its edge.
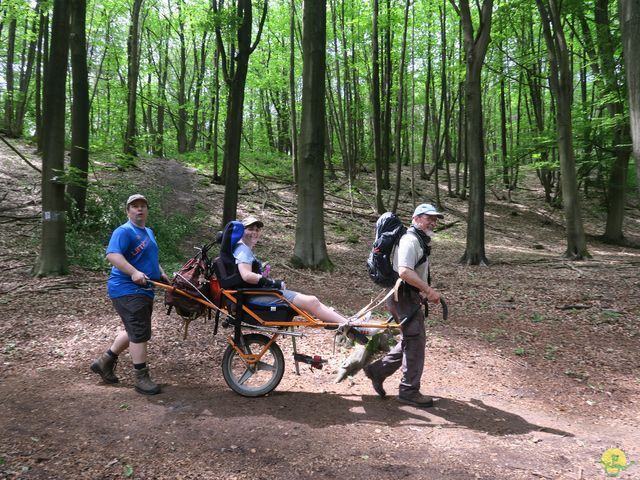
(135, 311)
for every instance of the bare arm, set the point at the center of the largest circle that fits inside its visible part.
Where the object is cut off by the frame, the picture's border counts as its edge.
(413, 279)
(248, 275)
(118, 261)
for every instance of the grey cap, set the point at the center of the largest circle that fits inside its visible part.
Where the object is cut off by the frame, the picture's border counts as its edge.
(250, 220)
(427, 209)
(136, 196)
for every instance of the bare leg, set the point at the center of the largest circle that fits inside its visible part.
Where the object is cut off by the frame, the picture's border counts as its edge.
(138, 352)
(121, 343)
(317, 309)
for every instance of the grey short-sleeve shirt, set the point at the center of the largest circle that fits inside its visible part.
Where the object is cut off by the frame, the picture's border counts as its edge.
(408, 253)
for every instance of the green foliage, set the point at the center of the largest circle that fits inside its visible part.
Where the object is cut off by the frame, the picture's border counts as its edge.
(269, 164)
(87, 237)
(520, 351)
(493, 335)
(537, 318)
(350, 231)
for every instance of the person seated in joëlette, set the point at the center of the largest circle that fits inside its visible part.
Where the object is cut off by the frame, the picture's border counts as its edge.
(245, 258)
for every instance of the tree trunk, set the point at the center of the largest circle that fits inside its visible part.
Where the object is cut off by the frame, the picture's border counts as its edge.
(236, 82)
(375, 109)
(400, 118)
(41, 62)
(475, 51)
(617, 188)
(201, 69)
(25, 80)
(9, 92)
(561, 82)
(630, 23)
(388, 84)
(181, 122)
(79, 163)
(133, 70)
(53, 258)
(310, 249)
(292, 93)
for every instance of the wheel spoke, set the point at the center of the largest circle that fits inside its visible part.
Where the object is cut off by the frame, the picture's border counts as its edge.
(248, 373)
(265, 366)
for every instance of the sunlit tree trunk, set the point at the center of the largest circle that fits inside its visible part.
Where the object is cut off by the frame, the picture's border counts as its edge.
(561, 82)
(236, 80)
(475, 47)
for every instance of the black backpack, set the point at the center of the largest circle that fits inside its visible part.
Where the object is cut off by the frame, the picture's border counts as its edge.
(389, 231)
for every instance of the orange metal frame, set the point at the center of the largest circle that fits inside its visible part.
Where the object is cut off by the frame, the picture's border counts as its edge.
(302, 319)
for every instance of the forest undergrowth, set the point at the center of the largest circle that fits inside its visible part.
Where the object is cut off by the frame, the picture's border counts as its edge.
(535, 372)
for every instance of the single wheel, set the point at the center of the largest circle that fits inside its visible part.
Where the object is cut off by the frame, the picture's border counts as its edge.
(258, 379)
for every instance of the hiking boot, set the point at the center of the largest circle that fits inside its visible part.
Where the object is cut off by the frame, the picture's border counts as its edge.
(144, 384)
(416, 399)
(105, 367)
(376, 382)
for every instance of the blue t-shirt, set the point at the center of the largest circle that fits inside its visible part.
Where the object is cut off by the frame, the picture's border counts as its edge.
(139, 248)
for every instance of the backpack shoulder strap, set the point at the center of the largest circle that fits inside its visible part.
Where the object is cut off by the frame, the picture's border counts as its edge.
(424, 240)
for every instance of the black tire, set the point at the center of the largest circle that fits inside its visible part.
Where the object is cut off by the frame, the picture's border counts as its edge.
(260, 379)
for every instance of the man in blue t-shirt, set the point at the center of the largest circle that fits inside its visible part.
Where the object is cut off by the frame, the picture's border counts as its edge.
(133, 252)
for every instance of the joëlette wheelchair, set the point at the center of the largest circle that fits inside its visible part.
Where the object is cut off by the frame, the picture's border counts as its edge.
(253, 363)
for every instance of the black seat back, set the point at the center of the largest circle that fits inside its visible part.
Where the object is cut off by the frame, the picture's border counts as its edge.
(225, 264)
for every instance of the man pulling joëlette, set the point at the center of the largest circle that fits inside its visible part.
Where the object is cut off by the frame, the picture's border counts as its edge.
(133, 252)
(409, 353)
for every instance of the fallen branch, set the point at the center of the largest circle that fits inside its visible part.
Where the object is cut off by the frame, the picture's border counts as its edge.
(576, 306)
(19, 154)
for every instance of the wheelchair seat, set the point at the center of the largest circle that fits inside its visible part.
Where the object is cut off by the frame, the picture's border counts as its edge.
(277, 311)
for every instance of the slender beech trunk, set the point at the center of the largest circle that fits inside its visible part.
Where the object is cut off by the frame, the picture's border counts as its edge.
(9, 92)
(401, 99)
(53, 257)
(475, 47)
(77, 190)
(292, 93)
(133, 70)
(236, 80)
(375, 108)
(561, 82)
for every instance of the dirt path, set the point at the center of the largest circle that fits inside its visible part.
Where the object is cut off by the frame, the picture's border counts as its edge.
(527, 387)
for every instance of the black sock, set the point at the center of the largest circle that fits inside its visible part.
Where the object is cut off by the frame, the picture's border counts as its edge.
(111, 354)
(139, 366)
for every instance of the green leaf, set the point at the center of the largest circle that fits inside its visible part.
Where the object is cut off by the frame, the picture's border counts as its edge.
(128, 471)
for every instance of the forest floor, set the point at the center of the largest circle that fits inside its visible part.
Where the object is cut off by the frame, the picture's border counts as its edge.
(535, 374)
